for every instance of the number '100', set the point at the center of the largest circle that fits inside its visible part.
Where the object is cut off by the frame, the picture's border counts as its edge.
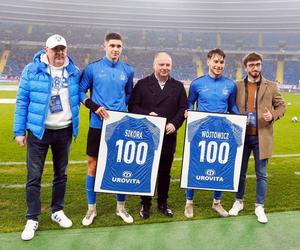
(130, 152)
(213, 150)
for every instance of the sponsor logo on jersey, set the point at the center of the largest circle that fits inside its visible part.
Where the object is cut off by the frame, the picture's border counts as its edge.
(204, 89)
(209, 178)
(210, 172)
(126, 180)
(127, 174)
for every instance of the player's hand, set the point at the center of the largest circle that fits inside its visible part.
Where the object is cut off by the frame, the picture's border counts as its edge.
(21, 140)
(248, 120)
(186, 114)
(267, 115)
(102, 113)
(170, 128)
(153, 113)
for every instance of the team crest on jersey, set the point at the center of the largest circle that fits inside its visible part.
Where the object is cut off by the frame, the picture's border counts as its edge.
(122, 76)
(225, 91)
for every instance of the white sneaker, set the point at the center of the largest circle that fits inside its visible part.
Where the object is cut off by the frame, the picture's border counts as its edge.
(61, 219)
(29, 230)
(126, 217)
(236, 208)
(89, 217)
(261, 216)
(219, 209)
(189, 210)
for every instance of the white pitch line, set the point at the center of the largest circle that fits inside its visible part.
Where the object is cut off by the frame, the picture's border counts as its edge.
(46, 162)
(287, 155)
(7, 100)
(84, 161)
(251, 157)
(22, 185)
(247, 176)
(297, 173)
(50, 185)
(9, 87)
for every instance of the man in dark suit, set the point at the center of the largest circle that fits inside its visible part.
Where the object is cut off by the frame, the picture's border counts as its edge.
(161, 95)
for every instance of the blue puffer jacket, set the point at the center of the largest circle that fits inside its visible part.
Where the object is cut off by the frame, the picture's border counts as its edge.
(34, 94)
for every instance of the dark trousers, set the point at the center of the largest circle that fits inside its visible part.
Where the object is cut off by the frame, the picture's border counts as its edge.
(59, 141)
(163, 181)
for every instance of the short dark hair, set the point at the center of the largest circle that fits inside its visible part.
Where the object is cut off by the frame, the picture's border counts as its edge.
(253, 56)
(216, 51)
(113, 36)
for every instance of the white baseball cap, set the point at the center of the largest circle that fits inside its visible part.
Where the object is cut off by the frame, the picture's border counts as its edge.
(55, 40)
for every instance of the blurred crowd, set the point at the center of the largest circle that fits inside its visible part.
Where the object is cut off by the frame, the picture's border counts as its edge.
(186, 48)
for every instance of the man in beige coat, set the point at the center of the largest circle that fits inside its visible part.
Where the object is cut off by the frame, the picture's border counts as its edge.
(261, 100)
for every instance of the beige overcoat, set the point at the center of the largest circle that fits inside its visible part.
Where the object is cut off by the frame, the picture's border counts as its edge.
(269, 97)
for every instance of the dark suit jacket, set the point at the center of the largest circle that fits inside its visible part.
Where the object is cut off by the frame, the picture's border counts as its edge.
(171, 102)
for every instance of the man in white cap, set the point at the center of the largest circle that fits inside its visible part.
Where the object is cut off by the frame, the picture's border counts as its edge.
(47, 114)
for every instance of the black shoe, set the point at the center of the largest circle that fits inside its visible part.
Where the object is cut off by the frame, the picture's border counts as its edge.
(164, 208)
(145, 212)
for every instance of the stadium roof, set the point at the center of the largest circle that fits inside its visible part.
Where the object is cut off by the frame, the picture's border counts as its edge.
(193, 15)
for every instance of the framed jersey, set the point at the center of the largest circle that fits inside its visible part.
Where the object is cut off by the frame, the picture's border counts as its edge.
(129, 153)
(213, 150)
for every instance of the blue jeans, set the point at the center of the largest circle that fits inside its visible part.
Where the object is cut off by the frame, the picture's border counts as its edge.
(252, 144)
(60, 141)
(189, 194)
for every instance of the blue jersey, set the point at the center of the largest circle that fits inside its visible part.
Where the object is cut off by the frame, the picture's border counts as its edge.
(213, 147)
(213, 95)
(131, 144)
(110, 85)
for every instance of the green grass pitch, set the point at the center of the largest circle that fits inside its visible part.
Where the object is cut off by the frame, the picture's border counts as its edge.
(283, 184)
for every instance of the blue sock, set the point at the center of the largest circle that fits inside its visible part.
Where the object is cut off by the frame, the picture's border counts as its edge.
(189, 194)
(217, 195)
(121, 197)
(91, 195)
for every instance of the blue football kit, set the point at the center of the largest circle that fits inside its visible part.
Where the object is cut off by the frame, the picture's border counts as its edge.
(213, 95)
(110, 85)
(213, 146)
(131, 144)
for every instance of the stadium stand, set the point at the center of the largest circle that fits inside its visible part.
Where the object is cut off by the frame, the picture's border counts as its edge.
(292, 72)
(187, 30)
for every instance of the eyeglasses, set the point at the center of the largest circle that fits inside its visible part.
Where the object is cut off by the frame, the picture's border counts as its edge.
(59, 48)
(252, 65)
